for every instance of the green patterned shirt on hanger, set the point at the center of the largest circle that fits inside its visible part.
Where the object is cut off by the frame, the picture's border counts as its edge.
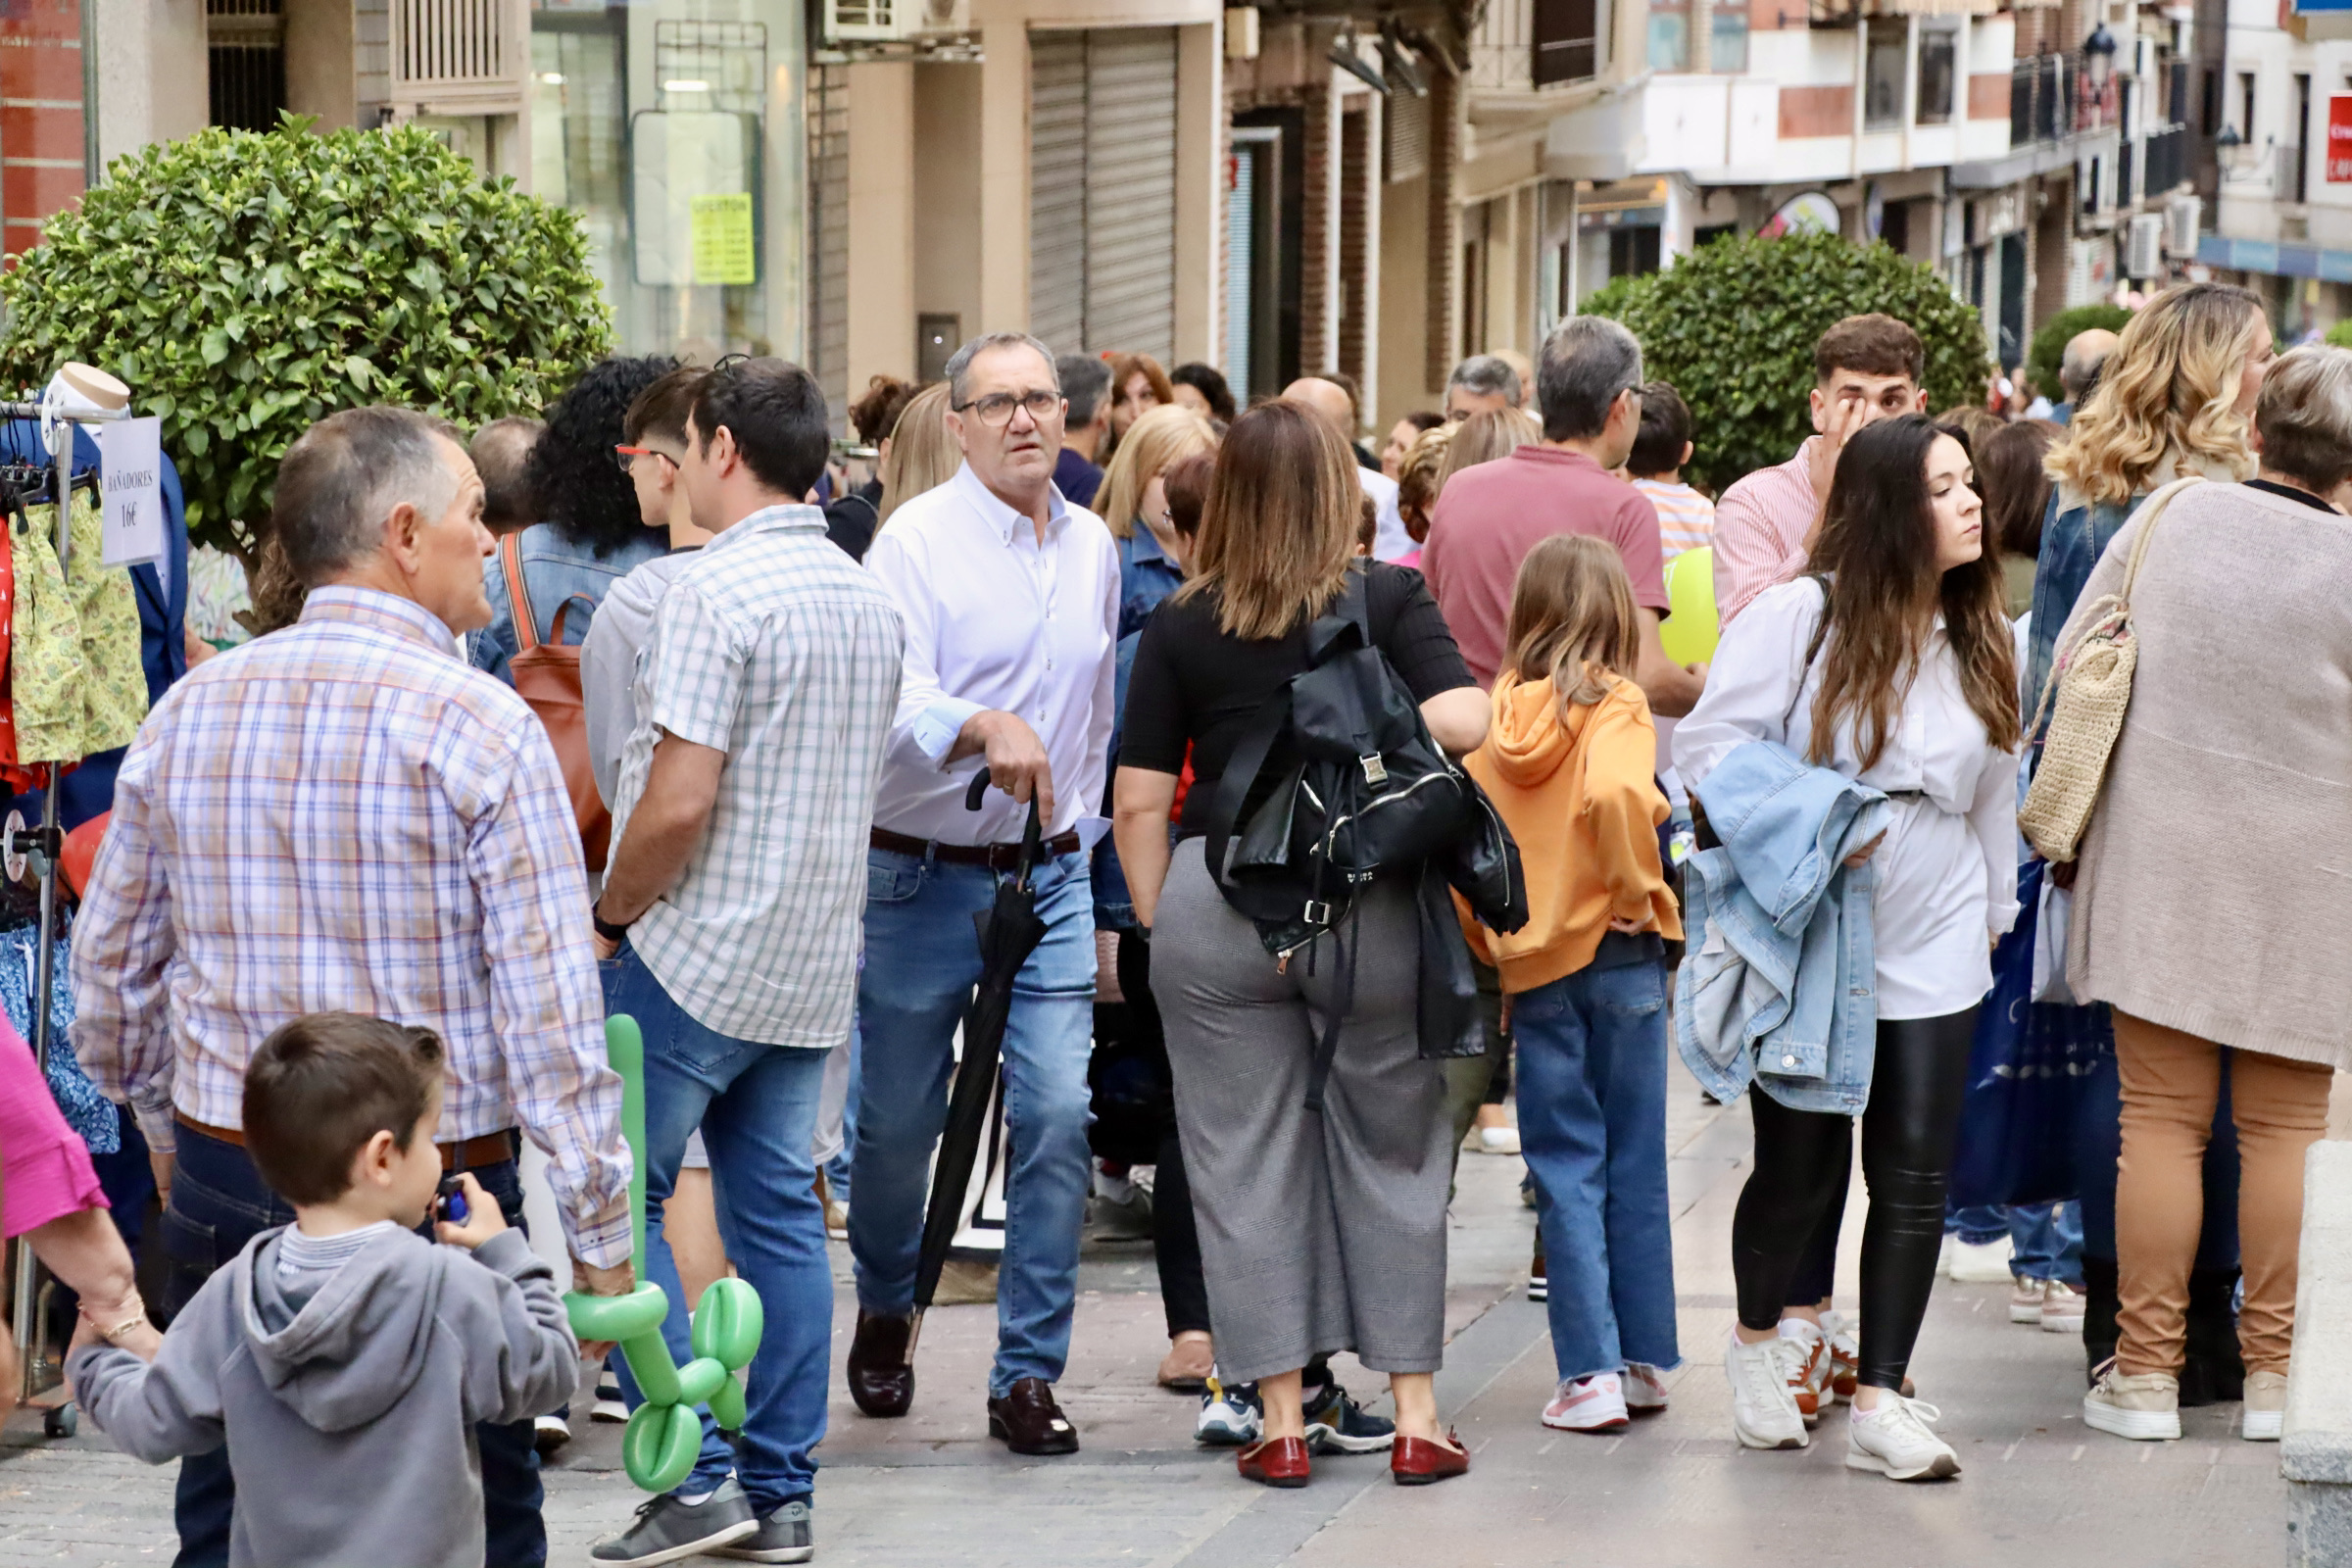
(74, 664)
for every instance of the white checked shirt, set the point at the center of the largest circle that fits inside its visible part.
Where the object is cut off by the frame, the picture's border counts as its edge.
(996, 620)
(343, 815)
(773, 646)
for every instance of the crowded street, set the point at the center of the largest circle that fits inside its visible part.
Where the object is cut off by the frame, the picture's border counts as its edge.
(1675, 1492)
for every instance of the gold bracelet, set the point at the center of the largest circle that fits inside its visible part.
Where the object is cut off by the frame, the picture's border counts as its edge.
(136, 1320)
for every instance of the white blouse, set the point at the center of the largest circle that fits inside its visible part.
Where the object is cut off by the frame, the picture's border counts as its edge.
(1947, 870)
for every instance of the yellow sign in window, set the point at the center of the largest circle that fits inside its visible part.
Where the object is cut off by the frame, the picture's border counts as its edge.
(723, 239)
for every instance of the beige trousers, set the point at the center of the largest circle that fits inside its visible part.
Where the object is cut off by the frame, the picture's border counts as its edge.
(2170, 1082)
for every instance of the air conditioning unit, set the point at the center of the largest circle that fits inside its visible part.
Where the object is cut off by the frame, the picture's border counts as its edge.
(2143, 247)
(2182, 216)
(870, 20)
(459, 57)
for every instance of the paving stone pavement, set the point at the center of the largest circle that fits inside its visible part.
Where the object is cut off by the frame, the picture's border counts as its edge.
(1675, 1491)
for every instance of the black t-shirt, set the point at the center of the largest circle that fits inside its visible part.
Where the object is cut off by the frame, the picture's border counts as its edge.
(1195, 684)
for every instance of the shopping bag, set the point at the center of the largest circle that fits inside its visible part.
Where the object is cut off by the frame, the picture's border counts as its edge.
(2027, 1071)
(2049, 944)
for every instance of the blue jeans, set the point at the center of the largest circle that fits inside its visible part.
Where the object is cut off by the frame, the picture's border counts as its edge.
(757, 1108)
(219, 1203)
(2046, 1238)
(1592, 1126)
(921, 963)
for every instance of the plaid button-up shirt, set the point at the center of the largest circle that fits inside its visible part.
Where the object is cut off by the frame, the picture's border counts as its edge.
(342, 815)
(777, 649)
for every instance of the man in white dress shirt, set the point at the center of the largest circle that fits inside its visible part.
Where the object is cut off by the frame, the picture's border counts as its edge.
(1331, 400)
(1010, 598)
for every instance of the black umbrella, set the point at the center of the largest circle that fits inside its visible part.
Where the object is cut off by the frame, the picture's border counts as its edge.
(1010, 931)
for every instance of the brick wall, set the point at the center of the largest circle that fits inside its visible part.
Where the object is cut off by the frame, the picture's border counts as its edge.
(1357, 169)
(1442, 283)
(1315, 238)
(41, 115)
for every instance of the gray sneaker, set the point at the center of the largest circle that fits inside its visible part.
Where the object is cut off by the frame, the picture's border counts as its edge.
(667, 1529)
(789, 1535)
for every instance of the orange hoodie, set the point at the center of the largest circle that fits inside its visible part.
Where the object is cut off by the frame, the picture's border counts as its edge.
(1581, 800)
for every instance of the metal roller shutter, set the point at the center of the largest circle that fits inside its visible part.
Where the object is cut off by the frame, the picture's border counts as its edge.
(1058, 189)
(1131, 190)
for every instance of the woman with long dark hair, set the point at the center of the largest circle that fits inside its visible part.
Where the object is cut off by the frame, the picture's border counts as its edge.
(1318, 1233)
(1891, 664)
(595, 531)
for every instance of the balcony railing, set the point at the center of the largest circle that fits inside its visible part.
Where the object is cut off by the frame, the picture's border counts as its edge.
(2166, 163)
(2038, 100)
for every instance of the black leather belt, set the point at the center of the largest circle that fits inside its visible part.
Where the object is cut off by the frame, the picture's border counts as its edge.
(995, 856)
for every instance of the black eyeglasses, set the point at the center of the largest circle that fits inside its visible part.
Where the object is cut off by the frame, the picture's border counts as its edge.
(625, 458)
(996, 408)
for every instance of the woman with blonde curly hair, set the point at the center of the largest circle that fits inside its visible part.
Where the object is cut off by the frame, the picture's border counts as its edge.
(1135, 504)
(2175, 397)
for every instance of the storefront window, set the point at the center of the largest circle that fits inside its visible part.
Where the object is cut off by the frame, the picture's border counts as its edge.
(673, 128)
(1726, 40)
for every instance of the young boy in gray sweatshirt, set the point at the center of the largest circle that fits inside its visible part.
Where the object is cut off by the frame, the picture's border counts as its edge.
(345, 1360)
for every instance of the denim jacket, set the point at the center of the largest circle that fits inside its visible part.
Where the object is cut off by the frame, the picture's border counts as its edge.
(2074, 533)
(1780, 985)
(1145, 576)
(555, 572)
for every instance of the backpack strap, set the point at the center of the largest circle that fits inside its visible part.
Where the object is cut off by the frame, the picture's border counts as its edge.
(518, 598)
(1240, 772)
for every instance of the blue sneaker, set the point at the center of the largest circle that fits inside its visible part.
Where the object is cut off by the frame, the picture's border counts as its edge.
(1337, 1423)
(1232, 1417)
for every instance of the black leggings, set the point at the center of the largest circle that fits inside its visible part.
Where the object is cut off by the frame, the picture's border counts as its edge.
(1802, 1158)
(1175, 1238)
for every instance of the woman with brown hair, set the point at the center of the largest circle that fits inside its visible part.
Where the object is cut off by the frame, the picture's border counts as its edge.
(2011, 466)
(1133, 503)
(1138, 385)
(1317, 1234)
(1419, 477)
(1890, 665)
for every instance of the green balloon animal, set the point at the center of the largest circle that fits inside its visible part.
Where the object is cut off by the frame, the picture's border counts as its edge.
(666, 1434)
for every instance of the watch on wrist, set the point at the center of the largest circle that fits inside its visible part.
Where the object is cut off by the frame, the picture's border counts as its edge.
(607, 929)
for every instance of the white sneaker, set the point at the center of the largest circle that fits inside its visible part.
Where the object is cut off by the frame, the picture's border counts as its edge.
(1985, 1263)
(1813, 1374)
(1764, 1413)
(1894, 1441)
(2026, 1299)
(1498, 1140)
(1594, 1403)
(2266, 1407)
(1645, 1387)
(2144, 1406)
(1846, 1357)
(2061, 1309)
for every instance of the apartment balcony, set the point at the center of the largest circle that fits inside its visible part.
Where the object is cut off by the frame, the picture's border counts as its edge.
(2055, 117)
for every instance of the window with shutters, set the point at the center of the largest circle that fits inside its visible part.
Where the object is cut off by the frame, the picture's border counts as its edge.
(459, 56)
(245, 40)
(1567, 41)
(1102, 190)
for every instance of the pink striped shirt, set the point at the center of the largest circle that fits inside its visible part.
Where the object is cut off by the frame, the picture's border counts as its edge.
(1760, 528)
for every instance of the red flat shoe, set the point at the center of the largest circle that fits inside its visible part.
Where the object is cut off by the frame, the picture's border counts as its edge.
(1275, 1462)
(1417, 1461)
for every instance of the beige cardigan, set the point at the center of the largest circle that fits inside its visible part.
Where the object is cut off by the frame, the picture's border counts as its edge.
(2215, 894)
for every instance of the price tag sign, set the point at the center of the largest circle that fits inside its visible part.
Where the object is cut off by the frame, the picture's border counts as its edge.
(132, 475)
(723, 239)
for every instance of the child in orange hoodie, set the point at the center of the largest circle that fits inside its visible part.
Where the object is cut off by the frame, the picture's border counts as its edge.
(1568, 763)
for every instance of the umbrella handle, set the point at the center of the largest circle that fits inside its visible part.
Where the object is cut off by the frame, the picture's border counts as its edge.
(1032, 832)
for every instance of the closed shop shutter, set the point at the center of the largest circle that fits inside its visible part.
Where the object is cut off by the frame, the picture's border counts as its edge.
(1057, 186)
(1131, 190)
(1102, 190)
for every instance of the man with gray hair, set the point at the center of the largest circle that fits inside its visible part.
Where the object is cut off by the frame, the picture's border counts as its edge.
(344, 816)
(1011, 600)
(1589, 386)
(1086, 428)
(2079, 370)
(1480, 384)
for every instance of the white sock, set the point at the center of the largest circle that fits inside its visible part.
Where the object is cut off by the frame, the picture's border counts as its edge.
(695, 1498)
(1797, 1328)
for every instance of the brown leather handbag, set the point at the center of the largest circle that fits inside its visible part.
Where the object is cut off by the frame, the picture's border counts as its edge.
(546, 676)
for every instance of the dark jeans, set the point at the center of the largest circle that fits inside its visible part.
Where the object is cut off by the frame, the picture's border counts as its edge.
(2100, 1147)
(1802, 1158)
(219, 1203)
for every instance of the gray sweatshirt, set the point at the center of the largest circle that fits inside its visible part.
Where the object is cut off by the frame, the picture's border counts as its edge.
(350, 1430)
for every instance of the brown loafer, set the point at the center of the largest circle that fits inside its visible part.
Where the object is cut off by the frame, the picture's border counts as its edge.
(881, 1379)
(1029, 1421)
(1276, 1462)
(1191, 1356)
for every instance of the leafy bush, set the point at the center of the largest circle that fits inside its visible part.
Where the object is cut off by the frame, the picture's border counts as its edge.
(248, 284)
(2341, 334)
(2049, 344)
(1732, 326)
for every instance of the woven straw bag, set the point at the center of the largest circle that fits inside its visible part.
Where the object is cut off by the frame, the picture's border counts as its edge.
(2088, 693)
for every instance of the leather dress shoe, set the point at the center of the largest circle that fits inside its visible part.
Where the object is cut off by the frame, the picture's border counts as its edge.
(1418, 1462)
(881, 1379)
(1029, 1421)
(1276, 1462)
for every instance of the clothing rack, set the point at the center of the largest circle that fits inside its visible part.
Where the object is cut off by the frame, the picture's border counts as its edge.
(43, 845)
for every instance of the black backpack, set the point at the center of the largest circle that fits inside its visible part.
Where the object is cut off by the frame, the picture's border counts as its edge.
(1372, 794)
